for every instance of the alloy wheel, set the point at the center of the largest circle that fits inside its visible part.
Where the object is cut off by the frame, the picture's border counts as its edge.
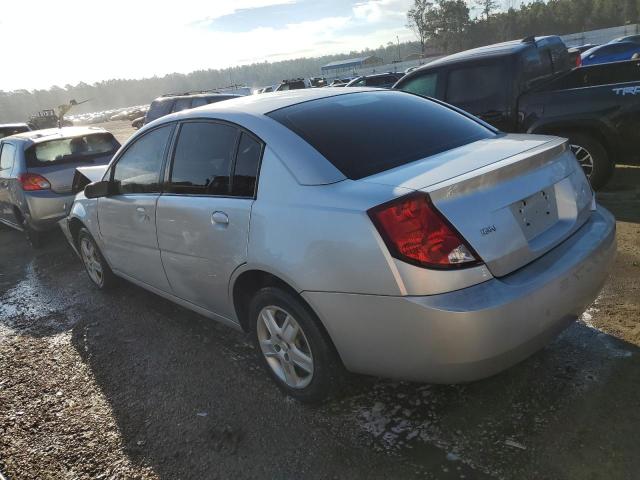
(585, 159)
(92, 261)
(285, 346)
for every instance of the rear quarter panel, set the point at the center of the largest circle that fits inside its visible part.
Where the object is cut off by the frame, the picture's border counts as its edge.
(320, 238)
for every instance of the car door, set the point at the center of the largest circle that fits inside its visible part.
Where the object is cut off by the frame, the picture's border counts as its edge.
(203, 214)
(7, 159)
(127, 217)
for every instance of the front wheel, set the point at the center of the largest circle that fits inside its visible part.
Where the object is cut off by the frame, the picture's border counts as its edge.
(292, 347)
(94, 263)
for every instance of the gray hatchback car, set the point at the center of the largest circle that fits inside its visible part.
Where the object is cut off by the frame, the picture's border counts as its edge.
(37, 170)
(377, 231)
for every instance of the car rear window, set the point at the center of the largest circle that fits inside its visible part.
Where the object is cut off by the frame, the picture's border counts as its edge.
(75, 149)
(365, 133)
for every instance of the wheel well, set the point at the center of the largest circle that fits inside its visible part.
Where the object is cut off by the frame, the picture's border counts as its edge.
(74, 228)
(247, 284)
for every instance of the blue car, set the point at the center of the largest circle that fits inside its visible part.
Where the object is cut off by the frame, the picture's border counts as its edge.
(610, 52)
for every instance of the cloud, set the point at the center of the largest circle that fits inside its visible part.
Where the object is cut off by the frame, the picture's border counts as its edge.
(67, 42)
(373, 11)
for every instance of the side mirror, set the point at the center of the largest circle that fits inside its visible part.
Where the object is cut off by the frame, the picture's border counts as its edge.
(98, 189)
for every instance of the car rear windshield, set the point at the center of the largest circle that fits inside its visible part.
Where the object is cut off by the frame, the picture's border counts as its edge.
(76, 149)
(366, 133)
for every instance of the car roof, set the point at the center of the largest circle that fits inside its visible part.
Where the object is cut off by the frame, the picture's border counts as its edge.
(38, 136)
(13, 125)
(195, 95)
(265, 102)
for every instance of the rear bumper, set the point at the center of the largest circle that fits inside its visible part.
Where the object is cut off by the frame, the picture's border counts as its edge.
(477, 331)
(46, 208)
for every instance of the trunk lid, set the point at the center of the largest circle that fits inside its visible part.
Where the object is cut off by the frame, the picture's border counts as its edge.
(512, 198)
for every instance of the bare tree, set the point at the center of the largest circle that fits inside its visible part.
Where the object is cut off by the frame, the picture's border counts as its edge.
(487, 7)
(417, 20)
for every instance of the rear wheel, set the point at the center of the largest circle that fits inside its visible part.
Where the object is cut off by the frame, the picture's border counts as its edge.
(593, 158)
(94, 263)
(292, 347)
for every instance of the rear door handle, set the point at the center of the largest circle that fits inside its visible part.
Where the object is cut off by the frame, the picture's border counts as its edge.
(220, 218)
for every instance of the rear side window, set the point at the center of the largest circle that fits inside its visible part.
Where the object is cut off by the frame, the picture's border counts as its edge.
(386, 81)
(424, 85)
(6, 156)
(138, 169)
(246, 169)
(181, 104)
(203, 158)
(159, 108)
(478, 89)
(198, 102)
(365, 133)
(77, 149)
(7, 131)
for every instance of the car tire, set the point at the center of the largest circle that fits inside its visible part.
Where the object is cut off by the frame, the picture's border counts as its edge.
(593, 158)
(296, 352)
(94, 263)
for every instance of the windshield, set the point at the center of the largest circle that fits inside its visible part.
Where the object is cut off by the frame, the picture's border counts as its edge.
(365, 133)
(76, 149)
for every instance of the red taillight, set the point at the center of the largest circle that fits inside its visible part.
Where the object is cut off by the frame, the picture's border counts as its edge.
(416, 232)
(578, 61)
(33, 181)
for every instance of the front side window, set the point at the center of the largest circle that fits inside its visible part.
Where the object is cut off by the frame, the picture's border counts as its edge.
(203, 159)
(6, 156)
(424, 85)
(478, 89)
(138, 169)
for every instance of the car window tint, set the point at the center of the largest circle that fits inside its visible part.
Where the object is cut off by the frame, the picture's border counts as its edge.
(202, 160)
(424, 85)
(246, 170)
(198, 102)
(478, 89)
(182, 104)
(138, 169)
(6, 156)
(380, 81)
(77, 149)
(158, 108)
(365, 133)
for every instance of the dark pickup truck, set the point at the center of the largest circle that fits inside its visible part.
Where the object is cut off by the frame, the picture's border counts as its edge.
(529, 86)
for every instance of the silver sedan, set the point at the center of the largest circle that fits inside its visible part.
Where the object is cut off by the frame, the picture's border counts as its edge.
(374, 231)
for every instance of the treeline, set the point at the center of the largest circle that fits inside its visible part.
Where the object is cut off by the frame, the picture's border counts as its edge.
(444, 26)
(448, 26)
(17, 105)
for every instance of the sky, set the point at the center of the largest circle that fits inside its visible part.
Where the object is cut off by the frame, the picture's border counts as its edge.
(67, 41)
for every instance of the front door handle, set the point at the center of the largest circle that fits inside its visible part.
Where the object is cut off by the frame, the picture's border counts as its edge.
(220, 218)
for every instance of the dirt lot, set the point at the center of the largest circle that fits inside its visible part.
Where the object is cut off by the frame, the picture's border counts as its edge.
(127, 385)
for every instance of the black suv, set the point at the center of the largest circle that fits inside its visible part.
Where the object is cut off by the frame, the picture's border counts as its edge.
(9, 129)
(380, 80)
(171, 103)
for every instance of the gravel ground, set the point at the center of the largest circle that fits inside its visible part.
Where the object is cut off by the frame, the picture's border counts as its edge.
(127, 385)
